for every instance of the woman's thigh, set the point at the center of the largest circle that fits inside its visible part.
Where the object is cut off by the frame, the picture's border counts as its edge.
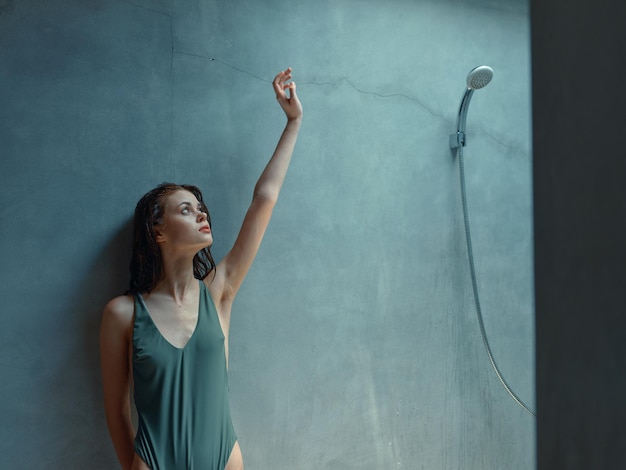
(235, 461)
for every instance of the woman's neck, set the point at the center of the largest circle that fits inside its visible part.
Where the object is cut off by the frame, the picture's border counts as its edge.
(178, 279)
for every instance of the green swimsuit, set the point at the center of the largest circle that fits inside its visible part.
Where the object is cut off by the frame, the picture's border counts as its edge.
(181, 394)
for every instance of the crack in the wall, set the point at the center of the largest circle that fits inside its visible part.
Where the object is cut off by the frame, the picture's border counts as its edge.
(352, 85)
(147, 8)
(213, 59)
(335, 83)
(315, 83)
(374, 93)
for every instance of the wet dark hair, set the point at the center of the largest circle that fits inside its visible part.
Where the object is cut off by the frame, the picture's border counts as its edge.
(146, 263)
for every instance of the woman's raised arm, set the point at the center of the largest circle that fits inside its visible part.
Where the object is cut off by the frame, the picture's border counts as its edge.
(235, 265)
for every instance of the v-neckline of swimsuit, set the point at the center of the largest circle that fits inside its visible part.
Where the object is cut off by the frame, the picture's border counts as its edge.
(193, 333)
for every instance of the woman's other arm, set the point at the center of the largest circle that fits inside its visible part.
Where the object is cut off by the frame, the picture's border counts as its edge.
(114, 360)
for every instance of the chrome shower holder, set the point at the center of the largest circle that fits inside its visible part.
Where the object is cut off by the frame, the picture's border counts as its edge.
(457, 140)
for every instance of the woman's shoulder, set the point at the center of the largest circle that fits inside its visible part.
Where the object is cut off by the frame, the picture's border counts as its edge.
(116, 328)
(120, 308)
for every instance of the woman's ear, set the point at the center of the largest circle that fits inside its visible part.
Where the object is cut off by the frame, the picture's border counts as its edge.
(159, 236)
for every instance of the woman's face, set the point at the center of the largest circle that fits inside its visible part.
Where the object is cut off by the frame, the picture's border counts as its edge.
(185, 223)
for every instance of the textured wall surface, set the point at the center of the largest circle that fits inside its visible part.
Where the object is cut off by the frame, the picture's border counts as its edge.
(354, 341)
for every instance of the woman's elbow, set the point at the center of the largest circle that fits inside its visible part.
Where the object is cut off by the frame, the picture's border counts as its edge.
(266, 195)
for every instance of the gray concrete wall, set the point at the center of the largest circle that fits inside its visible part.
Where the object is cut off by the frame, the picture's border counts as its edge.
(354, 341)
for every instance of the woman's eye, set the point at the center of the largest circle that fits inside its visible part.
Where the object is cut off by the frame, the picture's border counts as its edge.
(185, 210)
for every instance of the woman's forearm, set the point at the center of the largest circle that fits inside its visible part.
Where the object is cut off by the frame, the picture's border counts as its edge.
(271, 180)
(121, 431)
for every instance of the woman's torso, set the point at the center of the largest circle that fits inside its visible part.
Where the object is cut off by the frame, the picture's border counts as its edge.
(181, 393)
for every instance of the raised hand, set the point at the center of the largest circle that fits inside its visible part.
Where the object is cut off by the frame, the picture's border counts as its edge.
(289, 102)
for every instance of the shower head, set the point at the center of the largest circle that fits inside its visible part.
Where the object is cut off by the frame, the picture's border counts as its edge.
(479, 77)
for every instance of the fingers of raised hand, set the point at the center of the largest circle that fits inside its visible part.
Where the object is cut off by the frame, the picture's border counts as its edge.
(280, 82)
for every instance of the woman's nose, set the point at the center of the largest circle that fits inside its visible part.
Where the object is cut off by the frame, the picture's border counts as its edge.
(202, 216)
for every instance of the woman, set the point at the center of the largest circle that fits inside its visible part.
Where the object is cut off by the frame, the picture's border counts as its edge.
(168, 340)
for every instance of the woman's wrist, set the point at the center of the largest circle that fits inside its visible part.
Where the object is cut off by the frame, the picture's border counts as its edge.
(294, 121)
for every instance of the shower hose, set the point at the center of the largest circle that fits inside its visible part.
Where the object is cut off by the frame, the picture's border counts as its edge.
(479, 314)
